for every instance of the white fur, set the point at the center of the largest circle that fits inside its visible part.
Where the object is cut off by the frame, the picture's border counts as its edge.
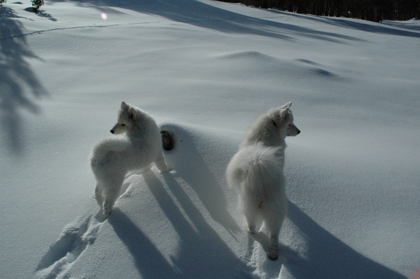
(112, 158)
(256, 170)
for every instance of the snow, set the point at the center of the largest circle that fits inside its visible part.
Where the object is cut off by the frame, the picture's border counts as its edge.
(205, 70)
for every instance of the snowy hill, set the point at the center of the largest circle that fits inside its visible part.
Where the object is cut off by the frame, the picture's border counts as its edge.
(205, 70)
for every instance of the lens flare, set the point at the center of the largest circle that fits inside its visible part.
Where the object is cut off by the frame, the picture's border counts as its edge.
(104, 16)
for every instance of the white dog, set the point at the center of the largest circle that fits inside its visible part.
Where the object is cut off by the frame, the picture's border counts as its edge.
(112, 158)
(256, 170)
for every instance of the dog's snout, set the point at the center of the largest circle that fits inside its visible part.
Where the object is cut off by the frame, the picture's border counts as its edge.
(112, 131)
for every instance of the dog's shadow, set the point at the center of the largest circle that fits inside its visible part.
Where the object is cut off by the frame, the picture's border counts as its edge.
(202, 252)
(148, 259)
(323, 255)
(191, 167)
(319, 254)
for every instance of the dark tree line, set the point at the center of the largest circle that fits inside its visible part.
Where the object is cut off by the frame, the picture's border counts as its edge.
(374, 10)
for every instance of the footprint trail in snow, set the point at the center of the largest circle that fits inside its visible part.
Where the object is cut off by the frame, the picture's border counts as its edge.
(74, 239)
(256, 257)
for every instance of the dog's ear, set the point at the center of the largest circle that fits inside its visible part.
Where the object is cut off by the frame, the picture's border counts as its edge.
(284, 112)
(132, 114)
(287, 105)
(123, 105)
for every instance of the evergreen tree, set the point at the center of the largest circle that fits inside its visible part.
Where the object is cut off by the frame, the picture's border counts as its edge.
(36, 4)
(374, 10)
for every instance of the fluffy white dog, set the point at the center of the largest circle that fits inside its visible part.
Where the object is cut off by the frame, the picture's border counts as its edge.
(256, 170)
(112, 158)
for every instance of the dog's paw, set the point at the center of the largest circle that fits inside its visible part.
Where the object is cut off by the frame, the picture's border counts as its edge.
(168, 167)
(165, 171)
(273, 253)
(107, 212)
(107, 209)
(273, 250)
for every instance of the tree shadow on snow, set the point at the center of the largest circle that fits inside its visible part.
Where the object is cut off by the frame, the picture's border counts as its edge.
(18, 83)
(325, 256)
(202, 253)
(41, 13)
(207, 16)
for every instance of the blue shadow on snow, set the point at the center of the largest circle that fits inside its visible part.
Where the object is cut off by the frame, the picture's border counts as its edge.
(18, 83)
(149, 261)
(207, 16)
(202, 253)
(328, 257)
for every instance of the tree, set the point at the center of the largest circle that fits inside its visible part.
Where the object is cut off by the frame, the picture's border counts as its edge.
(36, 4)
(374, 10)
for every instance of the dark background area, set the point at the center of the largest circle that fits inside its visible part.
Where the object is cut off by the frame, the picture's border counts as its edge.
(374, 10)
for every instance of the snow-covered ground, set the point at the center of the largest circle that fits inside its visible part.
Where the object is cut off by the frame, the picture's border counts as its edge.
(205, 70)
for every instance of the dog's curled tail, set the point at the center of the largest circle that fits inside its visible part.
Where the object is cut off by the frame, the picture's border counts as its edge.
(104, 150)
(256, 167)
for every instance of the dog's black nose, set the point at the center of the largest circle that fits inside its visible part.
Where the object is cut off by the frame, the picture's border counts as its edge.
(298, 132)
(112, 131)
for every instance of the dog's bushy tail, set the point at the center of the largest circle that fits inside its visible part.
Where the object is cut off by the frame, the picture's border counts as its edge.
(104, 150)
(256, 170)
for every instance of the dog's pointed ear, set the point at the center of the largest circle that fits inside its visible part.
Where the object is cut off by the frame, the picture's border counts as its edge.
(123, 105)
(284, 112)
(287, 105)
(132, 113)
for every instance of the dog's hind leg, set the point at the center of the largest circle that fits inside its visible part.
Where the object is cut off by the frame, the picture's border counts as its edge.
(110, 198)
(98, 192)
(273, 248)
(111, 191)
(251, 215)
(273, 221)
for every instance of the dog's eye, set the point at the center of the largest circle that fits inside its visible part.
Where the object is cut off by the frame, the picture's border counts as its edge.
(123, 124)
